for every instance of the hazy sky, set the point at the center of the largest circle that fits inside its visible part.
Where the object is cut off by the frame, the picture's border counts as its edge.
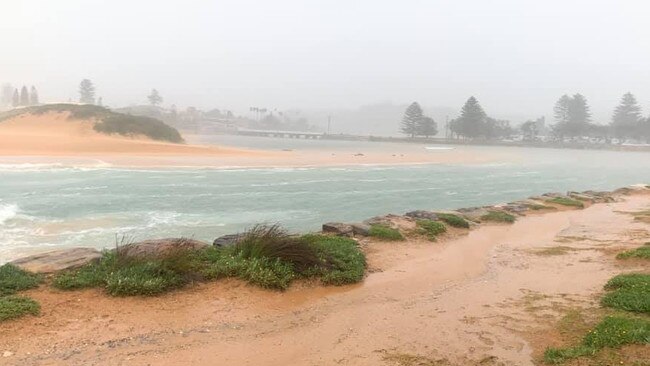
(516, 56)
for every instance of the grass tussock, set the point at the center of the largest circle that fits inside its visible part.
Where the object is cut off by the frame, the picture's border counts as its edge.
(498, 216)
(453, 220)
(629, 292)
(556, 250)
(565, 201)
(12, 307)
(613, 331)
(431, 228)
(642, 252)
(385, 233)
(267, 257)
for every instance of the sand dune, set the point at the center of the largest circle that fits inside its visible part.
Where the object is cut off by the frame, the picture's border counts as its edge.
(53, 134)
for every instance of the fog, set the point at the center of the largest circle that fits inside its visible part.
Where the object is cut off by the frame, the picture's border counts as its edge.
(517, 57)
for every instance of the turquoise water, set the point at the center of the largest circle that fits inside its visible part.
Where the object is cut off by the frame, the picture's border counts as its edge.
(54, 206)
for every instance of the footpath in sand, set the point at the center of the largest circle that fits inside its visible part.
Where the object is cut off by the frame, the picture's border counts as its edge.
(485, 298)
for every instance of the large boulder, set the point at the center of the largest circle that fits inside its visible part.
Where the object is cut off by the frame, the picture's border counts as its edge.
(360, 229)
(228, 240)
(58, 260)
(338, 228)
(159, 248)
(421, 214)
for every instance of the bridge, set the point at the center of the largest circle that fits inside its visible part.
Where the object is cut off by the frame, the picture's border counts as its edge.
(282, 134)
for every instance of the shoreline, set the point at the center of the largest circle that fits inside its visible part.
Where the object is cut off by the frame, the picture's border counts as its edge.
(485, 291)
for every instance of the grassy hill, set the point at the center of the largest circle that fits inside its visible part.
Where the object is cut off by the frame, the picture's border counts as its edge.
(106, 121)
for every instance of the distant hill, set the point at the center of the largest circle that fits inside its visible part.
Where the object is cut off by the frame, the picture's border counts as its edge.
(106, 121)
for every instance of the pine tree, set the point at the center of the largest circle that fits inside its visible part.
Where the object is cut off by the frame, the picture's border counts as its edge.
(154, 98)
(561, 109)
(626, 117)
(33, 96)
(7, 94)
(410, 120)
(426, 126)
(15, 101)
(579, 116)
(100, 102)
(86, 92)
(24, 96)
(472, 120)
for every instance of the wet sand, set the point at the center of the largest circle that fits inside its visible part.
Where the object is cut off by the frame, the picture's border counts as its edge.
(54, 139)
(480, 298)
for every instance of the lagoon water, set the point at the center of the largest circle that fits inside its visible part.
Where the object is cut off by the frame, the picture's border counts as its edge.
(51, 206)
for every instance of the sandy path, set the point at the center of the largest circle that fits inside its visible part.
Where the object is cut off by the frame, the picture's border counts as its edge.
(470, 300)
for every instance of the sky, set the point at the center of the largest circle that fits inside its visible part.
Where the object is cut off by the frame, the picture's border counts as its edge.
(516, 56)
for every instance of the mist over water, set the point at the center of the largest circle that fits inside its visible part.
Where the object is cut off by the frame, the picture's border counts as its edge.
(45, 206)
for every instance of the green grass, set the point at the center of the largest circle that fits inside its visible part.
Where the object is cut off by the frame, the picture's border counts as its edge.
(453, 220)
(613, 331)
(564, 201)
(14, 279)
(385, 233)
(267, 257)
(498, 216)
(431, 228)
(640, 252)
(12, 307)
(630, 292)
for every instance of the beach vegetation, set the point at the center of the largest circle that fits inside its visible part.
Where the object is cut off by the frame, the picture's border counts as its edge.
(613, 332)
(565, 201)
(431, 228)
(498, 216)
(642, 252)
(267, 256)
(453, 220)
(12, 307)
(384, 232)
(14, 279)
(630, 292)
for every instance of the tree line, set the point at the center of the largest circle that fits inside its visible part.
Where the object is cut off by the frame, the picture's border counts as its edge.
(572, 116)
(19, 98)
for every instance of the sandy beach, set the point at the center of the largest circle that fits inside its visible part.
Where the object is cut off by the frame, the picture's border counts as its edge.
(53, 138)
(489, 297)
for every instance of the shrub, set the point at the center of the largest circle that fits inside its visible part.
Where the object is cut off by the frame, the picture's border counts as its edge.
(613, 331)
(498, 216)
(142, 278)
(640, 252)
(343, 261)
(385, 233)
(564, 201)
(127, 125)
(431, 228)
(454, 220)
(629, 292)
(13, 279)
(12, 307)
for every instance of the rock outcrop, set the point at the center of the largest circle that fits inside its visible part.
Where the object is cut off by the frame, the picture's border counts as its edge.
(58, 260)
(159, 248)
(338, 228)
(228, 240)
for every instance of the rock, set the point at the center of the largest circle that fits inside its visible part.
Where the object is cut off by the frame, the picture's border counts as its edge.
(338, 228)
(7, 354)
(582, 197)
(158, 248)
(515, 207)
(228, 240)
(473, 213)
(389, 220)
(58, 260)
(421, 214)
(360, 229)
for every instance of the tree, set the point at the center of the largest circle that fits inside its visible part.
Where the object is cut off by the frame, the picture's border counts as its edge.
(24, 96)
(154, 98)
(472, 120)
(410, 120)
(33, 96)
(426, 126)
(572, 116)
(15, 100)
(100, 102)
(644, 129)
(7, 94)
(86, 92)
(626, 117)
